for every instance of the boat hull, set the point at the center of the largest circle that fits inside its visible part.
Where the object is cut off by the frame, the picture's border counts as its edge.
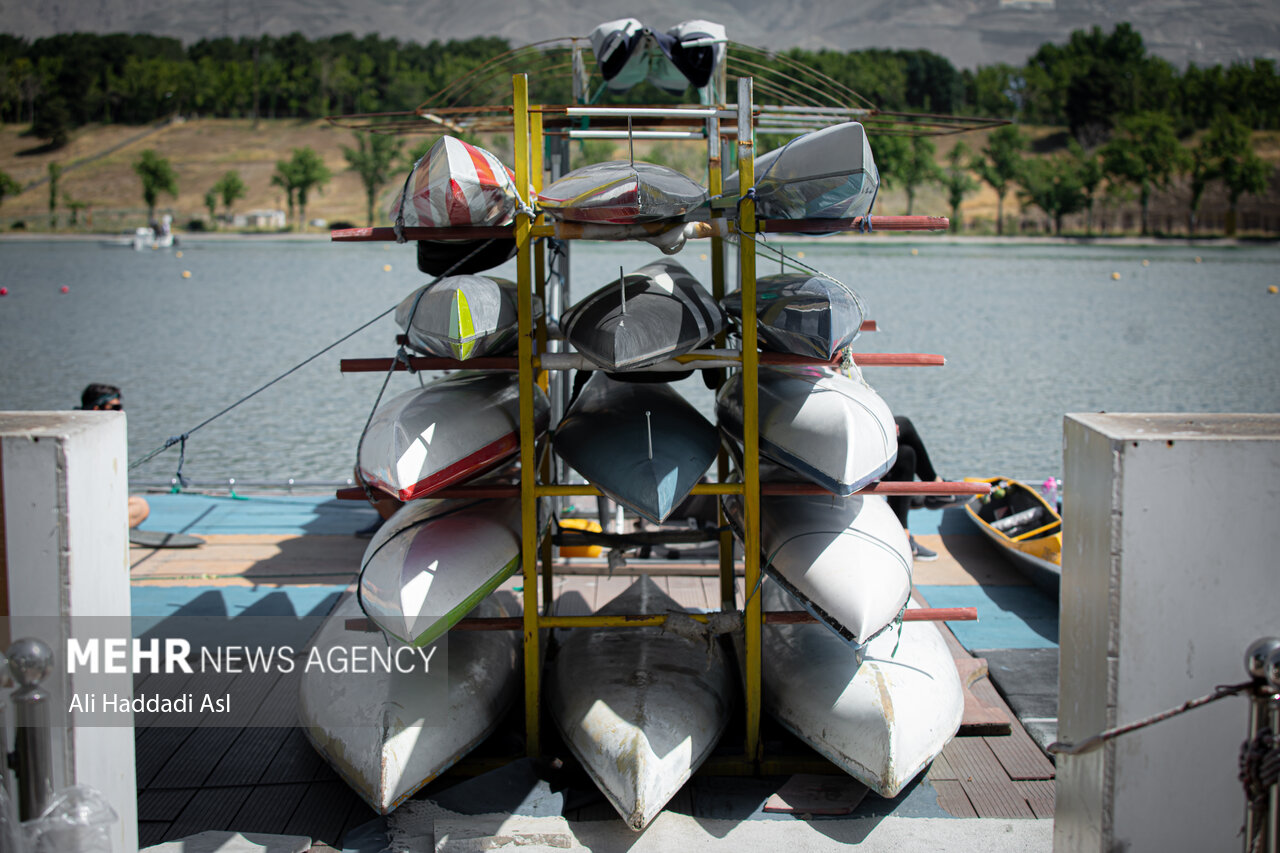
(452, 430)
(389, 734)
(639, 707)
(807, 315)
(1024, 526)
(881, 719)
(666, 313)
(821, 424)
(846, 560)
(433, 561)
(462, 317)
(642, 444)
(619, 192)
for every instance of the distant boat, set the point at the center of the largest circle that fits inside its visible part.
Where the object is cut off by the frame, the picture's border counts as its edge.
(621, 193)
(826, 174)
(640, 708)
(462, 317)
(817, 422)
(881, 716)
(802, 314)
(1026, 527)
(846, 560)
(449, 432)
(433, 561)
(643, 444)
(389, 733)
(455, 184)
(655, 313)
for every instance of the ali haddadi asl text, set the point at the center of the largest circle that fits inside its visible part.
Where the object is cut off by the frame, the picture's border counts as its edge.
(112, 703)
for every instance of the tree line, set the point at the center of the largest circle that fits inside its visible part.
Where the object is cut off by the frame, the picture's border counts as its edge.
(1086, 84)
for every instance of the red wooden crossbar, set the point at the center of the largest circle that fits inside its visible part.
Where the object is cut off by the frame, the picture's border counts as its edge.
(885, 487)
(383, 233)
(418, 362)
(772, 617)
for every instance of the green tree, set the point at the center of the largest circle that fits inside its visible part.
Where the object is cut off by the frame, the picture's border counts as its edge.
(8, 186)
(373, 159)
(211, 205)
(283, 177)
(1053, 185)
(1200, 170)
(1089, 171)
(918, 168)
(1144, 152)
(75, 207)
(1000, 164)
(1229, 149)
(230, 188)
(51, 123)
(305, 171)
(55, 175)
(957, 182)
(157, 177)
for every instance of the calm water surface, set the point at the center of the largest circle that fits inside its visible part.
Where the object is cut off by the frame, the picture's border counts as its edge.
(1029, 332)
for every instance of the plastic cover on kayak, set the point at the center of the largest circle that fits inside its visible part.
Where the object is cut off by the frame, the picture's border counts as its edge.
(627, 53)
(621, 193)
(456, 183)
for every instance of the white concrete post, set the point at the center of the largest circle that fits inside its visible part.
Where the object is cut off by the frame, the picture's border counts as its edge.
(1171, 540)
(64, 486)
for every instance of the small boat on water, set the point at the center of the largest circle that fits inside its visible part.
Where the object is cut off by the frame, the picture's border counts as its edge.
(643, 444)
(455, 184)
(826, 174)
(821, 424)
(1026, 527)
(881, 716)
(846, 560)
(655, 313)
(388, 732)
(809, 315)
(433, 561)
(620, 192)
(640, 708)
(448, 432)
(462, 317)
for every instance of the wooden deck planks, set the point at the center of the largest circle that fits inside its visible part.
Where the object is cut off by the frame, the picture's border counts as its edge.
(323, 812)
(983, 779)
(1020, 756)
(270, 808)
(210, 807)
(953, 799)
(1040, 795)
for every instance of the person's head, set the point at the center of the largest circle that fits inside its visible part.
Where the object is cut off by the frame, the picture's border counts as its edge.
(101, 397)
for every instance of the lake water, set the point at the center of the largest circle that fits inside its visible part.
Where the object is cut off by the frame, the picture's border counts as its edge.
(1030, 333)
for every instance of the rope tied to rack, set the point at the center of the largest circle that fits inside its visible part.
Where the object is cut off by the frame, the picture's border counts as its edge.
(1093, 742)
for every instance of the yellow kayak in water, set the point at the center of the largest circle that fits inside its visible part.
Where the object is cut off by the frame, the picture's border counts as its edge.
(1027, 527)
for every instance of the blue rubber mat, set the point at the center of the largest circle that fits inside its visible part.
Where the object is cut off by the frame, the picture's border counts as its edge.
(1009, 617)
(267, 616)
(285, 514)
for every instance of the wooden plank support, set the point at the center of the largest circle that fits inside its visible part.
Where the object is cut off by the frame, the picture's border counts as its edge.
(884, 487)
(422, 362)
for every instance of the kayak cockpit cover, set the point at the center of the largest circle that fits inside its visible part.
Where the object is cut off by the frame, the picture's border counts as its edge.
(628, 53)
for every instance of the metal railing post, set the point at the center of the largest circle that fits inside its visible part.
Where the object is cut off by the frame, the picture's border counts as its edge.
(30, 662)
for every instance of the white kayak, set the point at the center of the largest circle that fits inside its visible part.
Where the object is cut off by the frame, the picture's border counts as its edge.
(847, 560)
(639, 707)
(433, 561)
(826, 174)
(821, 424)
(883, 720)
(449, 432)
(389, 733)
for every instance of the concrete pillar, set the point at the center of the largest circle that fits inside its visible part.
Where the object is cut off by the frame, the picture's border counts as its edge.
(65, 561)
(1171, 536)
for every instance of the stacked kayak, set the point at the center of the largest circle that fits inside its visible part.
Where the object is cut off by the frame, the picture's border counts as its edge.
(388, 733)
(658, 312)
(433, 561)
(451, 431)
(642, 444)
(462, 317)
(809, 315)
(620, 192)
(819, 423)
(641, 708)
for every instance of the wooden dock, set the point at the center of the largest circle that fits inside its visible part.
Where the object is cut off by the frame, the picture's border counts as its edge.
(261, 775)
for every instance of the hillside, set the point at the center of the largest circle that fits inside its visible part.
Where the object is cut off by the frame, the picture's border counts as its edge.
(99, 173)
(968, 32)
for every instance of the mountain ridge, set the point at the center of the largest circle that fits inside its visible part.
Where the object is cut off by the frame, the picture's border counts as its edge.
(968, 32)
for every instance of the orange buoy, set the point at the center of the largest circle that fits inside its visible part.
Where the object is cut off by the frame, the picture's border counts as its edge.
(186, 273)
(1272, 290)
(1115, 276)
(66, 289)
(386, 267)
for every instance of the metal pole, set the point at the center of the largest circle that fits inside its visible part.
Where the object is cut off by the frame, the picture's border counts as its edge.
(1262, 662)
(30, 662)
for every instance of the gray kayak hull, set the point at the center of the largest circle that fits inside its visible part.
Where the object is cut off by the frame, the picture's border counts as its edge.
(808, 315)
(462, 317)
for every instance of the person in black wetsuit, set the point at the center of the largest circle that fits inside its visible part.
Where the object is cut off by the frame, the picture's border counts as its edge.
(913, 461)
(100, 397)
